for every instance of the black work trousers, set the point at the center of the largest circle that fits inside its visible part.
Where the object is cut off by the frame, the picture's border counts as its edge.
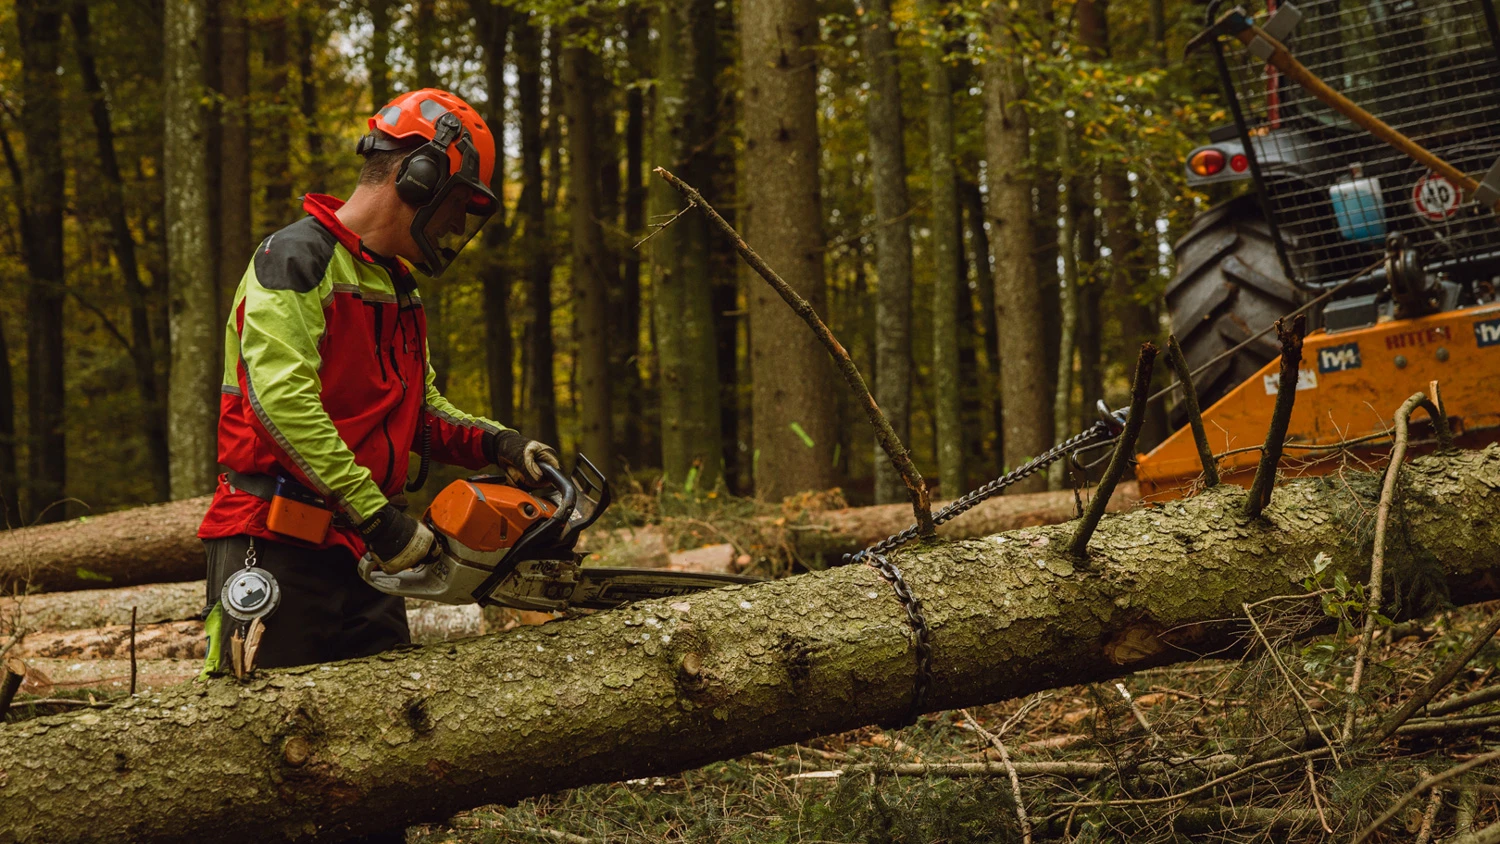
(326, 612)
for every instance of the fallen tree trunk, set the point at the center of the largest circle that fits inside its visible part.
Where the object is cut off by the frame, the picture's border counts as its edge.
(159, 544)
(336, 750)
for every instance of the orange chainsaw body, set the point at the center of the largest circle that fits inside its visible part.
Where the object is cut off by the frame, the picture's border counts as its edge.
(486, 517)
(1349, 385)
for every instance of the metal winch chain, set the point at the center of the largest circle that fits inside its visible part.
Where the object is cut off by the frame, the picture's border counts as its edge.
(1107, 428)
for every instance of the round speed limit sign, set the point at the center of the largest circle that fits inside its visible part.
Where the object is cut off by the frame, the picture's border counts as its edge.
(1435, 198)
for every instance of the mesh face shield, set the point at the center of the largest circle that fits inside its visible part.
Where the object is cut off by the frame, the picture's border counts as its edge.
(459, 208)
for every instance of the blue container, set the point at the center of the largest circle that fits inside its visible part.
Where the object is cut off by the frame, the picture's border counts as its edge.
(1359, 208)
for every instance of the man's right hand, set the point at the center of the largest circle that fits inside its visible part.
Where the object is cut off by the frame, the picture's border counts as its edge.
(520, 457)
(397, 541)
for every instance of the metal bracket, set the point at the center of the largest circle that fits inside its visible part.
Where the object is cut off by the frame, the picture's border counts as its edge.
(1281, 24)
(1261, 48)
(1488, 192)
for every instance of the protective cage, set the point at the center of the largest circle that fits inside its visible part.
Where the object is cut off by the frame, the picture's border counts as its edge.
(1430, 69)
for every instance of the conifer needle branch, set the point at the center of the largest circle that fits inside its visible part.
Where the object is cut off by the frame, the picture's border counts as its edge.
(916, 488)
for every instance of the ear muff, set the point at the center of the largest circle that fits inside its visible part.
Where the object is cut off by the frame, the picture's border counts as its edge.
(420, 174)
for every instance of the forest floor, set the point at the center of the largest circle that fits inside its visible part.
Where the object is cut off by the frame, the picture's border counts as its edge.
(1169, 763)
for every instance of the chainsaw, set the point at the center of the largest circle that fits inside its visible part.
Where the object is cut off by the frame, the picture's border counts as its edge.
(499, 544)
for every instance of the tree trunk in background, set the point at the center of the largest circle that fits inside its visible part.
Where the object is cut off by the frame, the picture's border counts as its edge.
(10, 491)
(893, 303)
(1062, 400)
(40, 26)
(638, 58)
(590, 269)
(1027, 419)
(142, 355)
(1089, 331)
(193, 405)
(496, 277)
(794, 380)
(423, 36)
(236, 238)
(946, 243)
(540, 389)
(722, 673)
(984, 279)
(555, 109)
(311, 37)
(275, 128)
(682, 280)
(378, 63)
(1137, 321)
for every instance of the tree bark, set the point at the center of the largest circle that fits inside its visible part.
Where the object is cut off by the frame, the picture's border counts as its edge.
(10, 497)
(236, 240)
(39, 24)
(278, 207)
(793, 408)
(311, 33)
(946, 246)
(685, 117)
(159, 543)
(581, 84)
(892, 241)
(142, 354)
(666, 685)
(378, 63)
(984, 279)
(638, 59)
(540, 387)
(1027, 418)
(192, 409)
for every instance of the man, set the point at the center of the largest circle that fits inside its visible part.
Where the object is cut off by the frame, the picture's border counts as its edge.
(327, 390)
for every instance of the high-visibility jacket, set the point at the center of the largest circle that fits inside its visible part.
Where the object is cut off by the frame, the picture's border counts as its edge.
(327, 380)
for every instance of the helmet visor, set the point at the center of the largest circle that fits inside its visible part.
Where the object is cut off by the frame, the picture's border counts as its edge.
(460, 208)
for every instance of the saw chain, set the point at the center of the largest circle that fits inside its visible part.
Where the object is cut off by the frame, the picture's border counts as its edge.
(1109, 426)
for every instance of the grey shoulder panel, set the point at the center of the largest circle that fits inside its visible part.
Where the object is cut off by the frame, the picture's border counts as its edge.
(295, 258)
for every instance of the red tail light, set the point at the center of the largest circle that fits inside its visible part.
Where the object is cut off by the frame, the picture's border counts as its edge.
(1239, 162)
(1206, 161)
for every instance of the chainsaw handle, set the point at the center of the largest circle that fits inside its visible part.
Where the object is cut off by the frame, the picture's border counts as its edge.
(561, 483)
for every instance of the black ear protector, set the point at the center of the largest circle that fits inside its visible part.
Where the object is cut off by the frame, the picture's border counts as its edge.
(425, 168)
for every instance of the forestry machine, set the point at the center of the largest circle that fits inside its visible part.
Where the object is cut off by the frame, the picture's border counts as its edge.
(499, 544)
(1334, 199)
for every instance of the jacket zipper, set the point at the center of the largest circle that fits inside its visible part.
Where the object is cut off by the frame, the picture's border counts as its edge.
(379, 337)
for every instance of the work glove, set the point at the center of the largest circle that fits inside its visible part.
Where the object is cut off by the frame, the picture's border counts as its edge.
(519, 457)
(397, 541)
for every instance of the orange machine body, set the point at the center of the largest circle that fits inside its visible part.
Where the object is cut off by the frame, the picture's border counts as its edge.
(1349, 385)
(486, 517)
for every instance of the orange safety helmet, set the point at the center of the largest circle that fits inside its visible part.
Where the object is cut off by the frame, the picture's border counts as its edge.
(450, 148)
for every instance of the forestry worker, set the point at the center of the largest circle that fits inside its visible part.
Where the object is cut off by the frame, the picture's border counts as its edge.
(328, 389)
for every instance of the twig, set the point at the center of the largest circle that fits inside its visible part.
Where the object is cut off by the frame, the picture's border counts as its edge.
(658, 228)
(1290, 334)
(132, 651)
(1066, 770)
(1194, 415)
(1441, 679)
(1461, 702)
(1434, 802)
(1292, 684)
(1442, 726)
(916, 488)
(1182, 795)
(1140, 716)
(1422, 786)
(1488, 835)
(1079, 547)
(62, 701)
(1015, 781)
(1312, 785)
(1377, 560)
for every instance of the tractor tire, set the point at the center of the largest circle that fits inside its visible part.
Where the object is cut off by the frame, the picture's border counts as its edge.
(1229, 285)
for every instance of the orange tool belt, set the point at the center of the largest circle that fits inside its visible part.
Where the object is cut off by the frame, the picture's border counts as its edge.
(296, 511)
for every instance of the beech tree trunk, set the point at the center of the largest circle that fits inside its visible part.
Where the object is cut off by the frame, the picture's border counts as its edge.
(193, 400)
(531, 208)
(666, 685)
(158, 544)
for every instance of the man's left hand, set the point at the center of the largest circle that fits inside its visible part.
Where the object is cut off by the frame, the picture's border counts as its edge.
(521, 458)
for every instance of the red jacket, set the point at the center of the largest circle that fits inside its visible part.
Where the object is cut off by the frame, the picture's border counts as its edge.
(327, 381)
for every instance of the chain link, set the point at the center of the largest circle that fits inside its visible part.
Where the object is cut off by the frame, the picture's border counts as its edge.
(250, 554)
(1107, 428)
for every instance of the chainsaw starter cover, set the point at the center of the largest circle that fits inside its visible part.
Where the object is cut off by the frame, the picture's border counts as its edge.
(486, 517)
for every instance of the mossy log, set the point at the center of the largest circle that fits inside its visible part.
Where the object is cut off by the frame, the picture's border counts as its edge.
(159, 543)
(337, 750)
